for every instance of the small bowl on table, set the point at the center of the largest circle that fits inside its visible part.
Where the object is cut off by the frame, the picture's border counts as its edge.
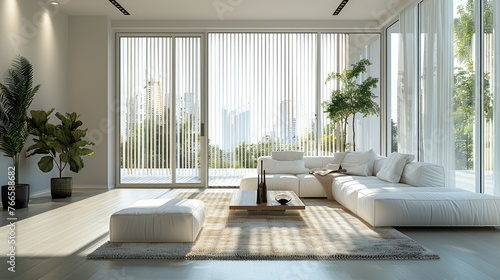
(283, 198)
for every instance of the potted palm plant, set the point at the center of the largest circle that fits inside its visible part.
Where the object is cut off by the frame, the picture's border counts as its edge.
(16, 94)
(61, 145)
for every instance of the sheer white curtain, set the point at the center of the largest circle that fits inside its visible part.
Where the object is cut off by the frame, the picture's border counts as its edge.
(437, 125)
(368, 128)
(407, 84)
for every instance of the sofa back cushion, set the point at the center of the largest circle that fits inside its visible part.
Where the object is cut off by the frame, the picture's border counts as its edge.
(423, 174)
(287, 155)
(338, 157)
(272, 166)
(317, 162)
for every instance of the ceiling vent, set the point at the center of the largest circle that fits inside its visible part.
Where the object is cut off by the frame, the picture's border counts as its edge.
(340, 7)
(119, 7)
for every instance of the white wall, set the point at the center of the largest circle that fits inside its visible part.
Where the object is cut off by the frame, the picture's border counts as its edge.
(91, 94)
(38, 32)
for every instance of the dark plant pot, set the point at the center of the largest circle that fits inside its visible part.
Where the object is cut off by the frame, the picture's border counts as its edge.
(22, 196)
(61, 187)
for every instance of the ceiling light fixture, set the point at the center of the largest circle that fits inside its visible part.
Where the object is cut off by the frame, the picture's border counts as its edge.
(340, 7)
(54, 3)
(119, 7)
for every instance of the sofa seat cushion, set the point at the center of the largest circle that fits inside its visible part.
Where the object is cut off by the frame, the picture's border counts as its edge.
(345, 189)
(286, 182)
(428, 207)
(310, 186)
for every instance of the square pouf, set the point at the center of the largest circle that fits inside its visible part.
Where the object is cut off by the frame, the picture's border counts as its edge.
(158, 220)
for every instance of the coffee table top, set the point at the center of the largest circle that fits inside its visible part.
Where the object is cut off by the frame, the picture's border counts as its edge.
(247, 200)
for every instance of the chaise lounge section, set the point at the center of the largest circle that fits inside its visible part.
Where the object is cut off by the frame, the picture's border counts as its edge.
(417, 198)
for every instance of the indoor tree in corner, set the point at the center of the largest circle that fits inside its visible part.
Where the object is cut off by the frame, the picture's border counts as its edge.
(351, 98)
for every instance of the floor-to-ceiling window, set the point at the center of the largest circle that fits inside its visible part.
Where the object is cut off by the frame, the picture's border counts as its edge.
(457, 87)
(264, 93)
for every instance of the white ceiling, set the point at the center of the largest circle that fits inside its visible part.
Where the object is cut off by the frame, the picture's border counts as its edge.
(235, 9)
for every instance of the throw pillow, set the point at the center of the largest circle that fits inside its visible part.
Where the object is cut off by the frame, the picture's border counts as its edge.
(339, 157)
(359, 163)
(393, 167)
(287, 155)
(332, 166)
(272, 166)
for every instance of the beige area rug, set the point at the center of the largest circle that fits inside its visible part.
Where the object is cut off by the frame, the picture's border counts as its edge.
(324, 231)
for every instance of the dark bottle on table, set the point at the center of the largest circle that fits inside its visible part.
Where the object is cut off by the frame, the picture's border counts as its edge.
(259, 190)
(264, 188)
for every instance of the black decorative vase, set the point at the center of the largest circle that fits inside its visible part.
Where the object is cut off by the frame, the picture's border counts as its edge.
(61, 187)
(22, 196)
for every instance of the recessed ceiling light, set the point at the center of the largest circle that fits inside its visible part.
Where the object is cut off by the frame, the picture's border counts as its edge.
(340, 7)
(54, 3)
(119, 7)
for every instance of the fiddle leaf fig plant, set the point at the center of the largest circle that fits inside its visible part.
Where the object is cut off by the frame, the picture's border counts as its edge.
(61, 145)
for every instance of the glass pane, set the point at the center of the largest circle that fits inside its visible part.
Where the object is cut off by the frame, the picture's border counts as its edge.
(187, 100)
(339, 52)
(367, 128)
(491, 96)
(464, 94)
(145, 92)
(393, 82)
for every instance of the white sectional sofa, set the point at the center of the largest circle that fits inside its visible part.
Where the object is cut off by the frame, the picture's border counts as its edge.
(417, 198)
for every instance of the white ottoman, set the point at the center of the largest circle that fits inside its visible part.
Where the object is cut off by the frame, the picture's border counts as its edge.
(158, 220)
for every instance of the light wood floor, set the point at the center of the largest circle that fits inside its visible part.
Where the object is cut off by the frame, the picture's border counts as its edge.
(53, 238)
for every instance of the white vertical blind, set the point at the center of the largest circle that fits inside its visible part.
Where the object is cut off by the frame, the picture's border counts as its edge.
(334, 58)
(262, 97)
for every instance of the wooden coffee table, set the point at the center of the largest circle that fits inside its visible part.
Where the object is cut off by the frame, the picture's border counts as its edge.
(247, 200)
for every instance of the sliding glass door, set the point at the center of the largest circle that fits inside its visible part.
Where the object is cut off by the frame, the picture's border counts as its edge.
(160, 111)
